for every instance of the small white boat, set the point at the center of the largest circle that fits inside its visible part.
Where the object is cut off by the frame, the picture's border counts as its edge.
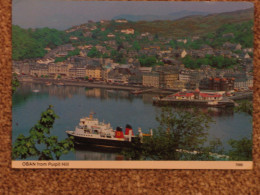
(36, 90)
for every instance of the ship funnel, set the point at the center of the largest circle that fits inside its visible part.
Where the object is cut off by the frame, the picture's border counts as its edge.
(129, 128)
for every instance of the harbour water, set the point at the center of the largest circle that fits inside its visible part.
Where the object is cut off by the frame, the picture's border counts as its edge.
(115, 106)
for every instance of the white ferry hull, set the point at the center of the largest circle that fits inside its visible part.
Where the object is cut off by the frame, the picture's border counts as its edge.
(114, 142)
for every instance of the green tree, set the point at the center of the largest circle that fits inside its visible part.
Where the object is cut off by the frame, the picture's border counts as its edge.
(136, 46)
(15, 82)
(39, 143)
(245, 106)
(93, 53)
(241, 149)
(179, 133)
(148, 60)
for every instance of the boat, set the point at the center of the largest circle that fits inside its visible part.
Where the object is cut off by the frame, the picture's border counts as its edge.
(48, 83)
(60, 84)
(36, 90)
(90, 131)
(136, 92)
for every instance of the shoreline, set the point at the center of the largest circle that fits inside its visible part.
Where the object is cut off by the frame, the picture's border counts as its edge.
(133, 89)
(66, 82)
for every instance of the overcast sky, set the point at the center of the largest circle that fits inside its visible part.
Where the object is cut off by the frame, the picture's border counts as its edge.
(62, 14)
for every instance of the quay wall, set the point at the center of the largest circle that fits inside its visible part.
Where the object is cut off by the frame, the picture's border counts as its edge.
(98, 85)
(199, 103)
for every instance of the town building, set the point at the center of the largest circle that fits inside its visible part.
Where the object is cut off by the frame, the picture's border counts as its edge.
(77, 72)
(128, 31)
(59, 69)
(151, 79)
(222, 84)
(94, 72)
(196, 95)
(167, 79)
(39, 71)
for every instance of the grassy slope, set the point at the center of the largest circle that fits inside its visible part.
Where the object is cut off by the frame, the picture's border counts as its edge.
(190, 26)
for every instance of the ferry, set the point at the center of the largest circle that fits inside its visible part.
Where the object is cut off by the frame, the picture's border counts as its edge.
(91, 131)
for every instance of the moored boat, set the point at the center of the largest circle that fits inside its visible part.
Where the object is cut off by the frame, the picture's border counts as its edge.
(48, 83)
(60, 84)
(36, 90)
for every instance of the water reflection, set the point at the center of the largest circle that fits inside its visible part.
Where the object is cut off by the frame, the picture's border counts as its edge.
(89, 152)
(64, 92)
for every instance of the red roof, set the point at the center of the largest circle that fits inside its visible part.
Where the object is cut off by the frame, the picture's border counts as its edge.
(183, 94)
(210, 95)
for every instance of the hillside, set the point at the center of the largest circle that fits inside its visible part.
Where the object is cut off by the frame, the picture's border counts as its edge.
(171, 16)
(190, 25)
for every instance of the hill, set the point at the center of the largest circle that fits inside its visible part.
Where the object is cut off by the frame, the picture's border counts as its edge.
(190, 25)
(171, 16)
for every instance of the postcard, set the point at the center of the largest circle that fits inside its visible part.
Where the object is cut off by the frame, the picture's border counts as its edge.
(141, 85)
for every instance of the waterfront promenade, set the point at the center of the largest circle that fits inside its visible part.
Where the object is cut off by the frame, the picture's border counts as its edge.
(99, 84)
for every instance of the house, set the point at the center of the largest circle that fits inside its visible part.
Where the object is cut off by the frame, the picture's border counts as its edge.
(121, 21)
(232, 46)
(59, 69)
(87, 34)
(61, 54)
(73, 38)
(145, 69)
(182, 41)
(45, 61)
(228, 35)
(110, 35)
(247, 56)
(194, 38)
(243, 83)
(222, 84)
(94, 72)
(77, 72)
(128, 31)
(151, 79)
(183, 54)
(39, 70)
(136, 78)
(167, 79)
(183, 96)
(196, 95)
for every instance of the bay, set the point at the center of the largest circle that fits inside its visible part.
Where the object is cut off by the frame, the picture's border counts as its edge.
(117, 107)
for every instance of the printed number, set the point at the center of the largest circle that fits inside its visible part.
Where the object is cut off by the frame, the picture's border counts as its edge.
(239, 164)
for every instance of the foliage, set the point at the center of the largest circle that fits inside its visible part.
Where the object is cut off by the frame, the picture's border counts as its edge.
(245, 106)
(75, 52)
(31, 43)
(39, 143)
(241, 149)
(147, 60)
(118, 56)
(136, 46)
(15, 82)
(218, 62)
(60, 59)
(242, 33)
(94, 53)
(179, 133)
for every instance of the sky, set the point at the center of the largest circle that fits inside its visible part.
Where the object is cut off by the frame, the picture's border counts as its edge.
(62, 14)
